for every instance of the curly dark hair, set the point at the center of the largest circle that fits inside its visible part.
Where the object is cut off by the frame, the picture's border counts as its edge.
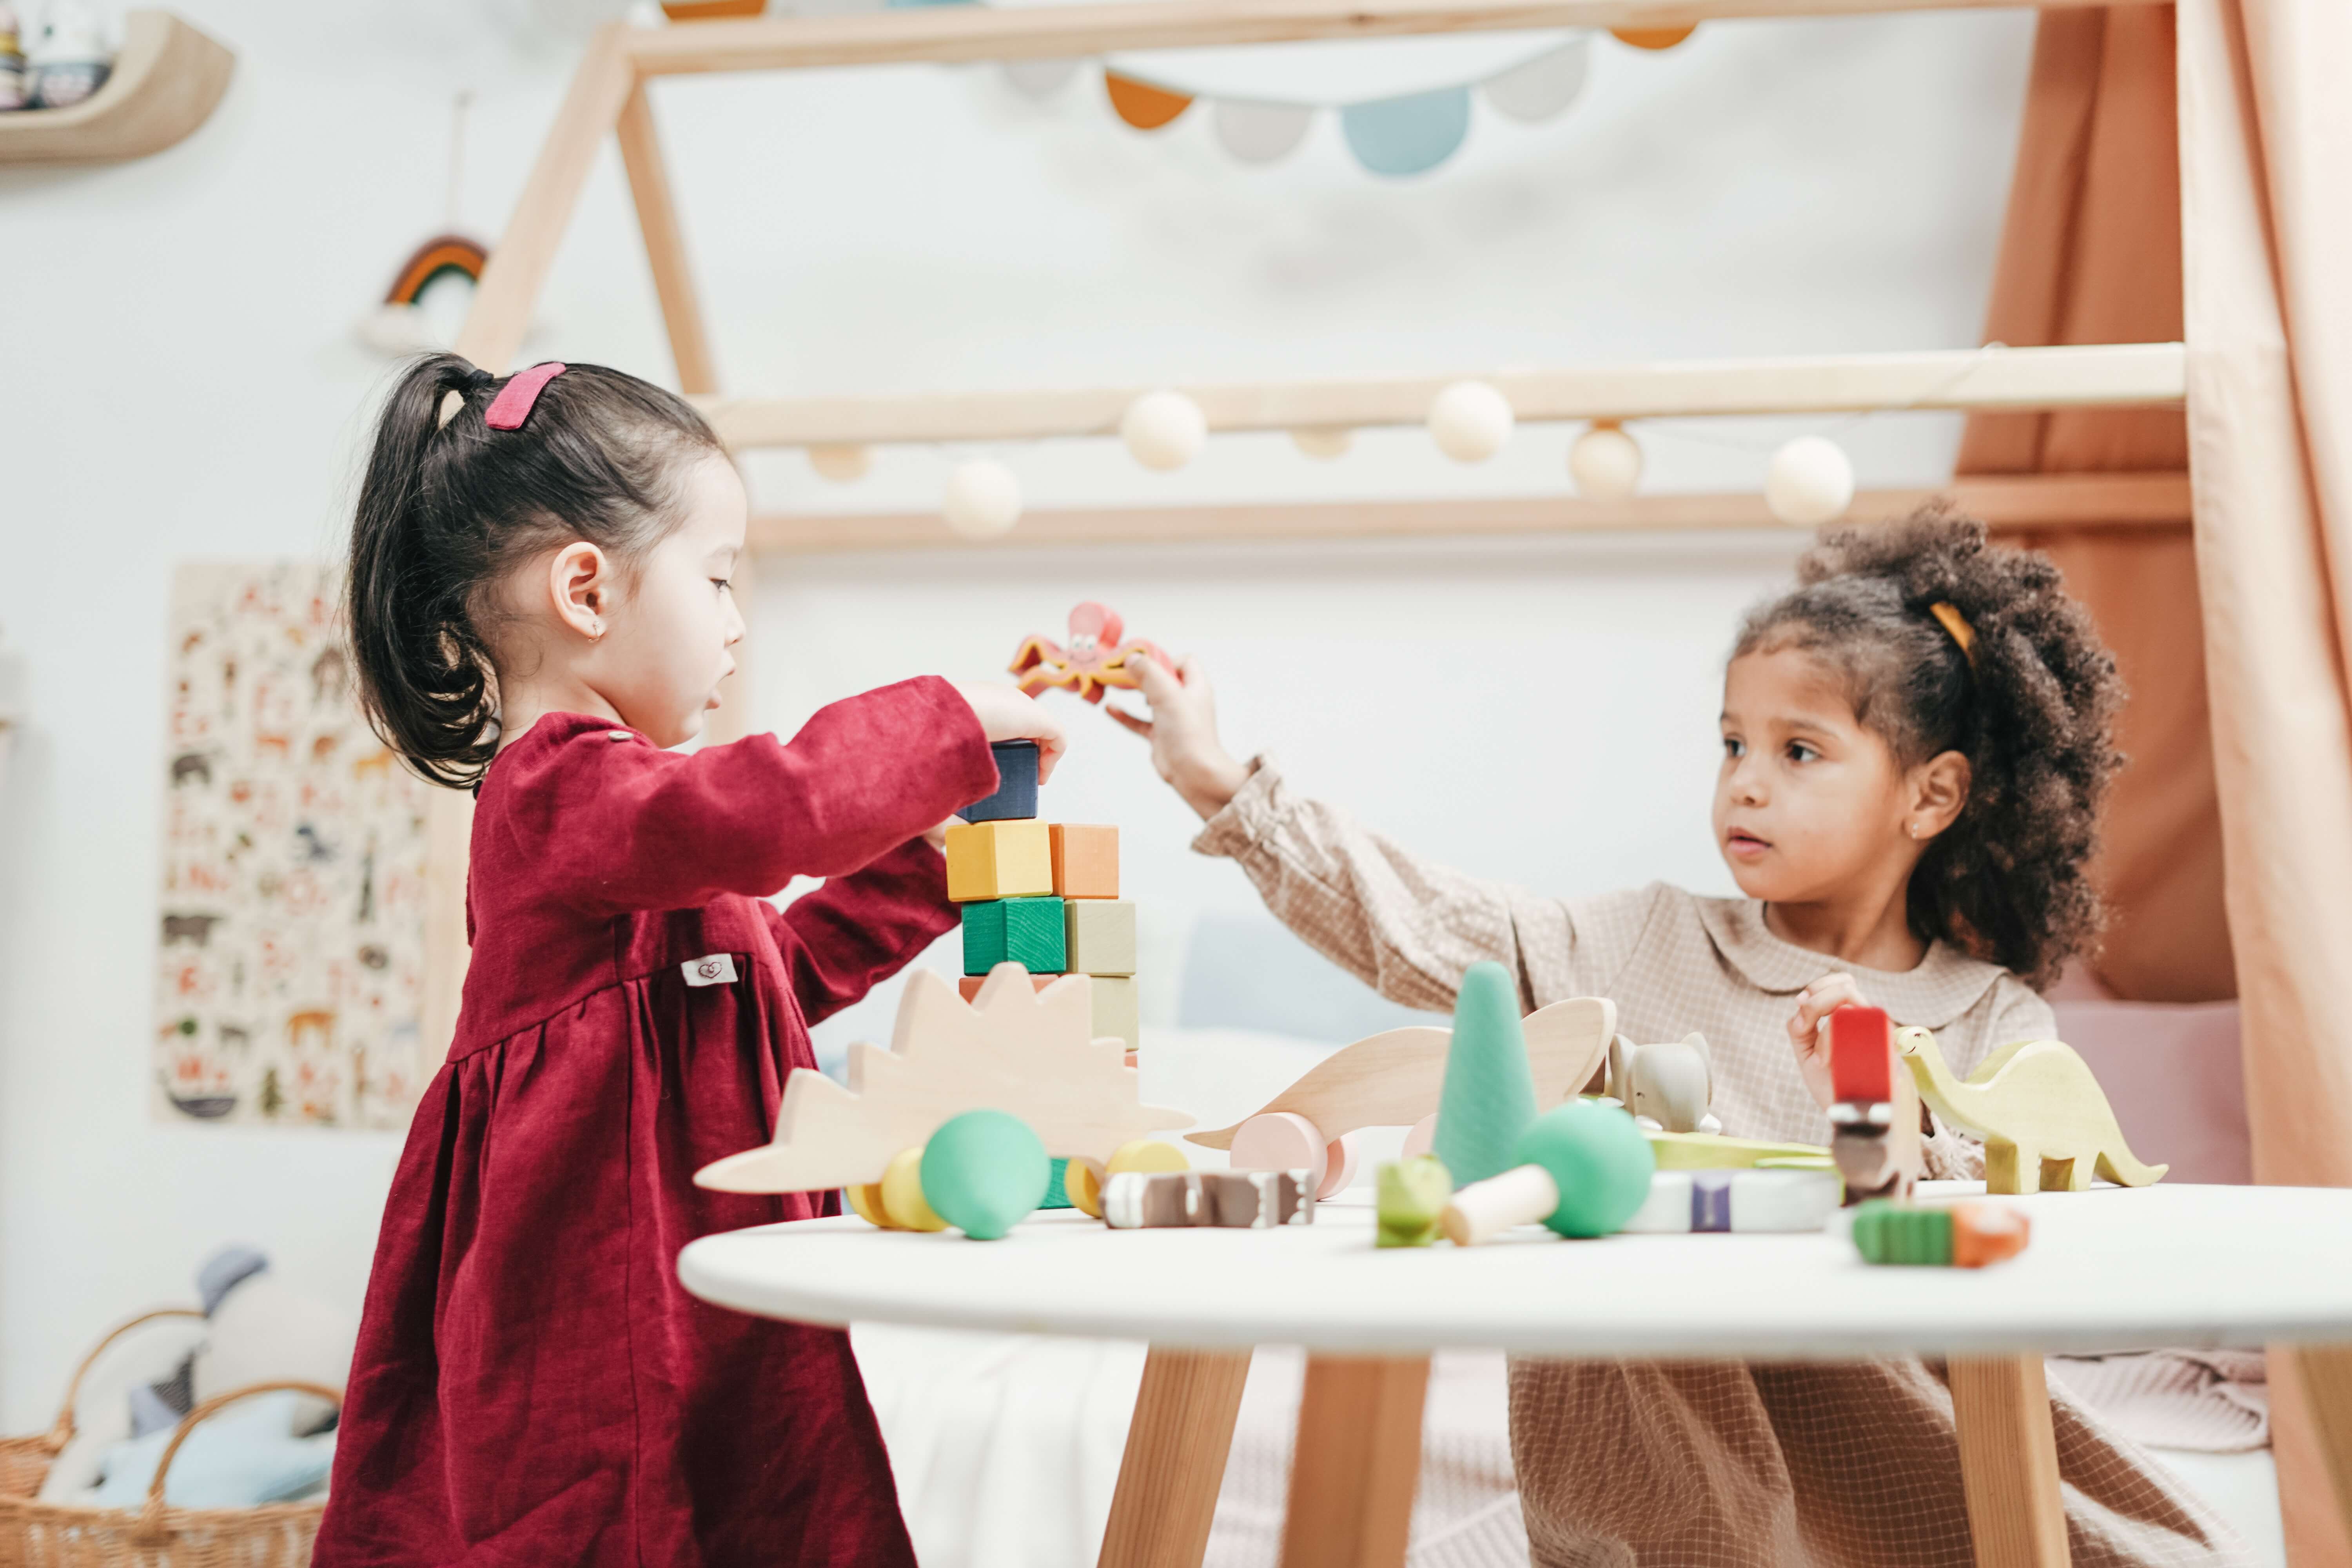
(2031, 708)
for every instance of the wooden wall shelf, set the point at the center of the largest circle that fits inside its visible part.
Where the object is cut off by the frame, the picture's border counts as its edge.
(167, 80)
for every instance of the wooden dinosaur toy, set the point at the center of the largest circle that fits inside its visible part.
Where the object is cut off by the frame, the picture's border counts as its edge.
(2045, 1123)
(1392, 1079)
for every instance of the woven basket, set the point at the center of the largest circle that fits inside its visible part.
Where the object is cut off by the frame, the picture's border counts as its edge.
(24, 1461)
(36, 1535)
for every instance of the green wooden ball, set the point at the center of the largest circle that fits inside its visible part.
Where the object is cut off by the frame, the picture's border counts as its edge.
(1599, 1160)
(984, 1173)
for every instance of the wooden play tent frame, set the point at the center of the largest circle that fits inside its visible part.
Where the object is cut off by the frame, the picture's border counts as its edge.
(1185, 1411)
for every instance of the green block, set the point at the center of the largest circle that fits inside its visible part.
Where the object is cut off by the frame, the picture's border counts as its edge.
(1026, 932)
(984, 1171)
(1887, 1232)
(1598, 1160)
(1489, 1097)
(1412, 1194)
(1057, 1196)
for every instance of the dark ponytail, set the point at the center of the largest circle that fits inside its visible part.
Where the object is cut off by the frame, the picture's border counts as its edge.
(447, 508)
(2032, 708)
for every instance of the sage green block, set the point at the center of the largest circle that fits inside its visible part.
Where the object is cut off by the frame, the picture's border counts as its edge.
(1887, 1232)
(1489, 1097)
(1026, 932)
(1101, 935)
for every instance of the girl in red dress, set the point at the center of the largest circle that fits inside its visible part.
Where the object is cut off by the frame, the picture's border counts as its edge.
(540, 608)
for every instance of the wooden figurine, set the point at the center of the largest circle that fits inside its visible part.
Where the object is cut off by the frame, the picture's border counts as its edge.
(1667, 1087)
(1413, 1195)
(1083, 1181)
(1393, 1079)
(2045, 1123)
(1096, 657)
(1682, 1202)
(999, 860)
(1015, 797)
(1582, 1168)
(1029, 1053)
(1252, 1200)
(1875, 1116)
(1956, 1236)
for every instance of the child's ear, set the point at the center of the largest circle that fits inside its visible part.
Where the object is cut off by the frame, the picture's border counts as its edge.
(1939, 788)
(580, 583)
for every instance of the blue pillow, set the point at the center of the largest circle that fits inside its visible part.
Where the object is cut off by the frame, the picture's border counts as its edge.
(245, 1456)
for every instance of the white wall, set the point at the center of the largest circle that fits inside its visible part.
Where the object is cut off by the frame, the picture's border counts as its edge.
(181, 384)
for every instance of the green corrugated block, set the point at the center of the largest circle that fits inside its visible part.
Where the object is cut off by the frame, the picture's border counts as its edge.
(1887, 1232)
(1056, 1197)
(1026, 932)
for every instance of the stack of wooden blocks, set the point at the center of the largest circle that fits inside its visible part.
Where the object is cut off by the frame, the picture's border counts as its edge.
(1044, 895)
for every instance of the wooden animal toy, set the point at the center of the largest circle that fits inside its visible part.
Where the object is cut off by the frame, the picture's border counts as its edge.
(1027, 1052)
(1488, 1095)
(1394, 1079)
(1959, 1236)
(1667, 1087)
(1015, 797)
(2045, 1123)
(900, 1193)
(1875, 1116)
(1686, 1201)
(1583, 1169)
(1413, 1195)
(1249, 1200)
(983, 1172)
(1096, 657)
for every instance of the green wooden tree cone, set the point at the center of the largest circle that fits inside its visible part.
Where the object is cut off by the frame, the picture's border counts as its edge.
(984, 1171)
(1489, 1096)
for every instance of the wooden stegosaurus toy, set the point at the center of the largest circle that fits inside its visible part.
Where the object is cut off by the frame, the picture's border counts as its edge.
(1014, 1048)
(2045, 1123)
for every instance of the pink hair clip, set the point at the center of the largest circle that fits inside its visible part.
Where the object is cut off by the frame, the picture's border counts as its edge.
(513, 403)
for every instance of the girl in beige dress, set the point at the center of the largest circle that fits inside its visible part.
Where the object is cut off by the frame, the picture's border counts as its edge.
(1916, 743)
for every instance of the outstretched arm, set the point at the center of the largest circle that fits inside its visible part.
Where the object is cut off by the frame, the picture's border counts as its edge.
(840, 941)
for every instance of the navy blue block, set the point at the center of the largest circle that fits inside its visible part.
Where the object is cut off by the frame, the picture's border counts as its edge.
(1017, 785)
(1711, 1200)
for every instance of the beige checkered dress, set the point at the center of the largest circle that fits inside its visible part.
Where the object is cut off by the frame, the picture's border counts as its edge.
(1677, 1464)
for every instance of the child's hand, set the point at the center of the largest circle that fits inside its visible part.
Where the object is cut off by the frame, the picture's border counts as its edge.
(1809, 1031)
(936, 837)
(1004, 714)
(1182, 731)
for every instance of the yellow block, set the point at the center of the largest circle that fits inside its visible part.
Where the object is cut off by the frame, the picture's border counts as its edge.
(999, 860)
(902, 1192)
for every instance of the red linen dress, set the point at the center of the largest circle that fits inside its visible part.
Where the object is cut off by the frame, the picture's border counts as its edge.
(532, 1387)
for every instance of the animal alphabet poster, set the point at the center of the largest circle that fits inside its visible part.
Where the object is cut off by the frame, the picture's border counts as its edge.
(290, 954)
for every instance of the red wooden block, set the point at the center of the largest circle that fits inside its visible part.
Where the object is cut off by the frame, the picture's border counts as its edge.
(1861, 1055)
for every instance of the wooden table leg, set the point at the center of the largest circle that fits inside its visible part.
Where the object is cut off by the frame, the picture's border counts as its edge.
(1175, 1458)
(1357, 1461)
(2327, 1386)
(2009, 1461)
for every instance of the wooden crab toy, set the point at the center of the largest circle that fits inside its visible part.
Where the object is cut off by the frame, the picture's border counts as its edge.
(1394, 1079)
(1096, 657)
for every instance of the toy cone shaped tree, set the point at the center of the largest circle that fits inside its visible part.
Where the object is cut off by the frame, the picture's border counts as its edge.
(1490, 1098)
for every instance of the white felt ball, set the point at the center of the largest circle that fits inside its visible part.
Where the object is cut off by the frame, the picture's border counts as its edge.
(1810, 482)
(1323, 442)
(1164, 430)
(1470, 421)
(841, 462)
(1605, 463)
(983, 499)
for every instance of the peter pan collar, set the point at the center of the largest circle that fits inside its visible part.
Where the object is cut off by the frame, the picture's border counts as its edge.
(1946, 983)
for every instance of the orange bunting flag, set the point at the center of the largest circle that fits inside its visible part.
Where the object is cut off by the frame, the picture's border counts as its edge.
(1145, 107)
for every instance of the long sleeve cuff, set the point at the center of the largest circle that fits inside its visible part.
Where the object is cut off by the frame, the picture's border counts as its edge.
(1250, 816)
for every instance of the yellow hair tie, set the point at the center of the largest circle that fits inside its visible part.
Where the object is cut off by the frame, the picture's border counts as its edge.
(1952, 621)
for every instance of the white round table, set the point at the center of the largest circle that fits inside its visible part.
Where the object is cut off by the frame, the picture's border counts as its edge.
(2107, 1270)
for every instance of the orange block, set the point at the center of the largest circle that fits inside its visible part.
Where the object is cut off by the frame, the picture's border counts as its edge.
(1986, 1233)
(1085, 860)
(970, 985)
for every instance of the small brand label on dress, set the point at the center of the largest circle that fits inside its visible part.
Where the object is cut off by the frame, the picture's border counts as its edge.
(718, 969)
